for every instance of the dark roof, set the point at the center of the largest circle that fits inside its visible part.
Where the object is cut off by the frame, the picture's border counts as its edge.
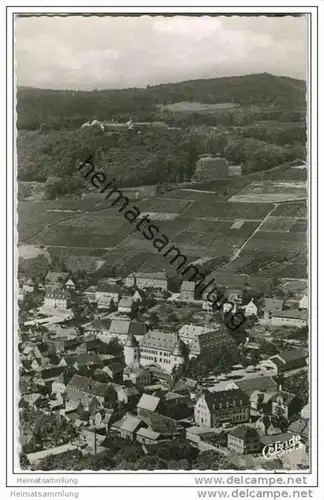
(108, 288)
(281, 438)
(290, 355)
(85, 384)
(257, 384)
(226, 399)
(137, 328)
(244, 432)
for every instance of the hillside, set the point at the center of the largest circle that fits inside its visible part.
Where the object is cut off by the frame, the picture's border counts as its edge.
(62, 108)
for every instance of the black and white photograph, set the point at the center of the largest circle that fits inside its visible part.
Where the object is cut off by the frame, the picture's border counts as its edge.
(162, 279)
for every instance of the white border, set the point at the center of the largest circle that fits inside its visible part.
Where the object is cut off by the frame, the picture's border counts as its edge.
(184, 479)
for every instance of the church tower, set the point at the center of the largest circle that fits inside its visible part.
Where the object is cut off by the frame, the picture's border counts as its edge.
(131, 351)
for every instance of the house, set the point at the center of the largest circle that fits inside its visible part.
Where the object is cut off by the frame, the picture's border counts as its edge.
(261, 384)
(149, 404)
(284, 361)
(305, 412)
(90, 293)
(269, 425)
(125, 305)
(28, 286)
(205, 341)
(289, 317)
(250, 309)
(70, 285)
(60, 383)
(233, 300)
(141, 280)
(99, 326)
(259, 400)
(56, 298)
(285, 404)
(187, 292)
(300, 427)
(270, 306)
(128, 426)
(123, 326)
(166, 350)
(243, 439)
(303, 303)
(139, 296)
(106, 294)
(214, 408)
(137, 375)
(84, 389)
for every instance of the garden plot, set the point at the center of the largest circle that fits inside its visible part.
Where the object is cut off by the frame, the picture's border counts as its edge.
(271, 191)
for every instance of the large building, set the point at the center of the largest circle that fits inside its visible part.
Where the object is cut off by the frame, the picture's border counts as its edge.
(284, 362)
(211, 167)
(215, 408)
(147, 280)
(56, 298)
(205, 341)
(156, 348)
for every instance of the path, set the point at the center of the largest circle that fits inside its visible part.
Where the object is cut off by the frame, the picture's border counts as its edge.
(239, 250)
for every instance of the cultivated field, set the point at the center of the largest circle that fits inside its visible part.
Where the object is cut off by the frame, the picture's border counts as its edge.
(196, 107)
(272, 192)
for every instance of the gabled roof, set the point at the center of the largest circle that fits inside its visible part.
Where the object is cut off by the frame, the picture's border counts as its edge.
(148, 402)
(108, 288)
(291, 355)
(157, 339)
(273, 304)
(286, 396)
(125, 302)
(188, 286)
(54, 277)
(157, 275)
(298, 426)
(87, 385)
(119, 326)
(221, 400)
(257, 384)
(244, 432)
(102, 324)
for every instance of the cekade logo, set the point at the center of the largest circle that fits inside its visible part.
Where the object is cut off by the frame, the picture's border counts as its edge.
(278, 449)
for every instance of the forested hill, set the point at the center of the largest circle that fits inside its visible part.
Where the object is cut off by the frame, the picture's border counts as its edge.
(59, 108)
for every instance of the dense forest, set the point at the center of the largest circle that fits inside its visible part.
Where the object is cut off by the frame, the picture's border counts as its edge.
(267, 127)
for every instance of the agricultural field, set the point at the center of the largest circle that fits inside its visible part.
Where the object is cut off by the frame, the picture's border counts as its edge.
(229, 210)
(298, 209)
(214, 190)
(278, 224)
(196, 107)
(273, 192)
(83, 237)
(163, 205)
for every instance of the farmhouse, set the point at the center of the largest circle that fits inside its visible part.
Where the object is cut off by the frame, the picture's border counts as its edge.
(157, 280)
(250, 309)
(205, 341)
(214, 408)
(284, 361)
